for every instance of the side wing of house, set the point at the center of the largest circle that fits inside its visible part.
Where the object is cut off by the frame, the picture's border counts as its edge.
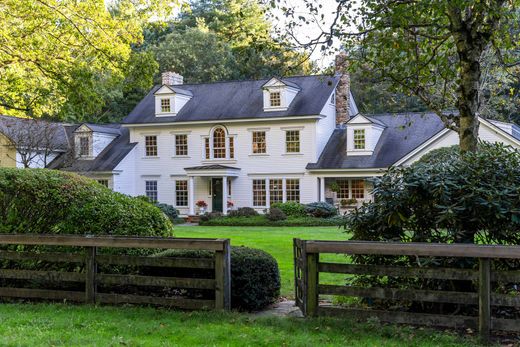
(7, 152)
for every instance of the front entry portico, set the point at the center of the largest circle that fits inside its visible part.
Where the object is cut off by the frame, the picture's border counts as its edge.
(219, 177)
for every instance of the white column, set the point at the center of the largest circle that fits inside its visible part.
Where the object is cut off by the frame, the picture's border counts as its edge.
(224, 195)
(267, 194)
(191, 195)
(322, 189)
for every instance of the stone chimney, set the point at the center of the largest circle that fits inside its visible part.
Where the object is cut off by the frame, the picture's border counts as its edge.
(171, 78)
(342, 90)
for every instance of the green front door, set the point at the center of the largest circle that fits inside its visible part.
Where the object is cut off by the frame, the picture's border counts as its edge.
(216, 188)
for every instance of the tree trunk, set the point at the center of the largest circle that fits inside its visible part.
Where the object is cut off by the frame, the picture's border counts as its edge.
(468, 102)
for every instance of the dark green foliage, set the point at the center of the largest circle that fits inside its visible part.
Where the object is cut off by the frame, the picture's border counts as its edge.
(243, 212)
(47, 201)
(321, 209)
(262, 220)
(255, 278)
(446, 197)
(210, 215)
(170, 211)
(275, 214)
(290, 208)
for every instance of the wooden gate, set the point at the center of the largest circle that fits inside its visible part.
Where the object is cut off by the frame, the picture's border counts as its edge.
(308, 288)
(16, 282)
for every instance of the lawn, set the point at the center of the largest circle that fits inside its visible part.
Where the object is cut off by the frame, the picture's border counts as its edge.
(277, 241)
(68, 325)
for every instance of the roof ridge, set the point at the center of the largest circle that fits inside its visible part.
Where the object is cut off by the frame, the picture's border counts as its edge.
(248, 80)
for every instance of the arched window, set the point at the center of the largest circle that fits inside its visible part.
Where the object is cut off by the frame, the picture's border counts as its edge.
(219, 143)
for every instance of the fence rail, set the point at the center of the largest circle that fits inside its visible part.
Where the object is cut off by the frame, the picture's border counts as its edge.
(308, 288)
(90, 278)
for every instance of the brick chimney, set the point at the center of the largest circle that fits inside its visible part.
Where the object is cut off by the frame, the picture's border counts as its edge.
(171, 78)
(342, 90)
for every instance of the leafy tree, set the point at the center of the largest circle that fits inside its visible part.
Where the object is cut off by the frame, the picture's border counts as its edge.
(58, 56)
(198, 54)
(430, 49)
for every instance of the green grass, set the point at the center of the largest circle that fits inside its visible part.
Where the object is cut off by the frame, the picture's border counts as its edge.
(278, 241)
(68, 325)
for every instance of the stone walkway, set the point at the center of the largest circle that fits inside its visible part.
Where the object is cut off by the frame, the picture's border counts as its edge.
(285, 308)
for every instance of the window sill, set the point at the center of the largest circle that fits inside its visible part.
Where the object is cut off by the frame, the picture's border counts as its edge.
(145, 157)
(181, 157)
(259, 155)
(296, 154)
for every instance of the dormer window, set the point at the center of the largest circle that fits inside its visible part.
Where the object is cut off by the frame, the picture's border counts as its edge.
(359, 139)
(279, 94)
(275, 99)
(165, 105)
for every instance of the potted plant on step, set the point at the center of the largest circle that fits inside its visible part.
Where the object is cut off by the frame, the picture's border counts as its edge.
(230, 205)
(201, 204)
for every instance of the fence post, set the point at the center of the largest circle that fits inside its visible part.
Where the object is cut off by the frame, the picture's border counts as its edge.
(484, 299)
(311, 283)
(90, 272)
(223, 277)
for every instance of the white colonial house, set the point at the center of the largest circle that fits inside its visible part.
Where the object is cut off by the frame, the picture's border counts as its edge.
(252, 143)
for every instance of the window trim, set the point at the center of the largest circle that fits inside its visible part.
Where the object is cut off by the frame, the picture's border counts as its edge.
(298, 131)
(253, 152)
(176, 193)
(209, 142)
(363, 137)
(147, 191)
(89, 138)
(146, 146)
(267, 190)
(175, 149)
(162, 106)
(278, 99)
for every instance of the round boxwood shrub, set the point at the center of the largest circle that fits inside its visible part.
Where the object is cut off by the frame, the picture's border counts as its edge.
(291, 208)
(255, 277)
(171, 212)
(55, 202)
(321, 209)
(275, 214)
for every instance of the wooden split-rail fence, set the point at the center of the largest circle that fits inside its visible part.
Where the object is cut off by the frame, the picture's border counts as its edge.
(89, 278)
(308, 288)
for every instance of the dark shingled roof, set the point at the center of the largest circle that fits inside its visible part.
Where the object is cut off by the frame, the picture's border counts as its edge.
(107, 160)
(237, 100)
(403, 133)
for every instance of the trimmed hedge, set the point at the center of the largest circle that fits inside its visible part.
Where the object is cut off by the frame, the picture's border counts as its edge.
(243, 212)
(261, 220)
(55, 202)
(255, 277)
(275, 214)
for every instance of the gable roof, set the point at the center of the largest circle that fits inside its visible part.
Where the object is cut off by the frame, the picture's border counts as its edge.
(11, 126)
(237, 100)
(113, 129)
(107, 160)
(175, 90)
(403, 133)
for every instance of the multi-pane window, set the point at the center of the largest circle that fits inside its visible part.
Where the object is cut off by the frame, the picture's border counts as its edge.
(275, 190)
(219, 143)
(292, 141)
(358, 189)
(181, 193)
(151, 190)
(84, 146)
(206, 147)
(292, 187)
(231, 147)
(181, 144)
(259, 193)
(165, 105)
(103, 182)
(359, 138)
(259, 143)
(343, 192)
(150, 146)
(275, 99)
